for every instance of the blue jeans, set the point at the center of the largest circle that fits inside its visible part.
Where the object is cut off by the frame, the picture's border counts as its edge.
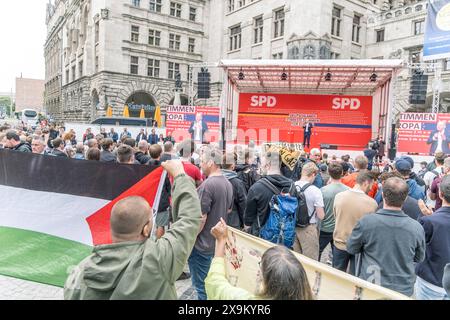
(199, 264)
(422, 292)
(341, 260)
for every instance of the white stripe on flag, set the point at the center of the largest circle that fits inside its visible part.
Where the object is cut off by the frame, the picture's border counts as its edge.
(57, 214)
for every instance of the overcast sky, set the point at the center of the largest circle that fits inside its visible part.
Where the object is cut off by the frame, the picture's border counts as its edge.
(22, 38)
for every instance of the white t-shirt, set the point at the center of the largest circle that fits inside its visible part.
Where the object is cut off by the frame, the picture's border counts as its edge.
(429, 178)
(314, 199)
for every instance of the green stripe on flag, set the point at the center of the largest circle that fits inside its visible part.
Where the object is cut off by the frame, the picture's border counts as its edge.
(38, 257)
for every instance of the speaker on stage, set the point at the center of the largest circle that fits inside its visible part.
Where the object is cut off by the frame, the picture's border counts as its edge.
(392, 154)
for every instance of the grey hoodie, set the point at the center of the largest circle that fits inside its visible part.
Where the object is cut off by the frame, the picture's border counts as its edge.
(446, 279)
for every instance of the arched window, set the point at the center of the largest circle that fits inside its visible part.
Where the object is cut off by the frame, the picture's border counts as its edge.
(324, 53)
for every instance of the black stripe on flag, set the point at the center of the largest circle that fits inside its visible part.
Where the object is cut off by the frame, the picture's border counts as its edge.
(61, 175)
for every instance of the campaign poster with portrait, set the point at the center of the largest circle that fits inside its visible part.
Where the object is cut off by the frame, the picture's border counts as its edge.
(424, 133)
(199, 123)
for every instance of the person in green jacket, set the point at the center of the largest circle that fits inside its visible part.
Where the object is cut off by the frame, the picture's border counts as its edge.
(135, 267)
(284, 277)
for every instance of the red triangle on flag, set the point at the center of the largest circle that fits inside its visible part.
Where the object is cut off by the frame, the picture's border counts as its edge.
(99, 222)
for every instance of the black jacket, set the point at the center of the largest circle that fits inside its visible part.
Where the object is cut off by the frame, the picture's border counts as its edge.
(437, 254)
(141, 157)
(106, 156)
(236, 218)
(58, 153)
(418, 179)
(258, 199)
(23, 147)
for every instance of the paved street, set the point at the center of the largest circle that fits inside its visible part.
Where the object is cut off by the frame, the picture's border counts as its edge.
(14, 289)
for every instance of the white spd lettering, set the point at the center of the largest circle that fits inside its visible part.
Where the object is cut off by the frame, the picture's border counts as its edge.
(263, 101)
(344, 103)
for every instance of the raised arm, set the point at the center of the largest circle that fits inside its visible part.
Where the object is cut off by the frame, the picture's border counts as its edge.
(176, 245)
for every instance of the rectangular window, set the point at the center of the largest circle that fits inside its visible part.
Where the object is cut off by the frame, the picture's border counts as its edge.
(174, 41)
(67, 76)
(447, 64)
(80, 69)
(175, 9)
(419, 27)
(235, 38)
(191, 47)
(173, 69)
(380, 35)
(73, 73)
(153, 68)
(258, 30)
(277, 56)
(134, 65)
(356, 28)
(230, 5)
(278, 23)
(96, 64)
(155, 5)
(136, 3)
(336, 22)
(192, 13)
(97, 31)
(335, 55)
(241, 3)
(134, 34)
(154, 38)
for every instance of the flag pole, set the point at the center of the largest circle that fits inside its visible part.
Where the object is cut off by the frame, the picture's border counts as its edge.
(157, 201)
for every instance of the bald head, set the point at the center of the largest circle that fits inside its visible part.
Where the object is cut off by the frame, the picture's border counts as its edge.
(131, 220)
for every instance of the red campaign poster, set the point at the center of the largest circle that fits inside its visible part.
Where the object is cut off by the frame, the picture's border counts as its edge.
(424, 133)
(180, 118)
(345, 121)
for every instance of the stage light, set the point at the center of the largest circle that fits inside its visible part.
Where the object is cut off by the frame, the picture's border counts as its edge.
(328, 76)
(373, 77)
(284, 76)
(241, 75)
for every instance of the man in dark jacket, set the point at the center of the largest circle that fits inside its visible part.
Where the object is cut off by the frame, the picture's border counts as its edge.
(58, 148)
(389, 242)
(246, 172)
(437, 234)
(141, 136)
(153, 138)
(259, 195)
(236, 218)
(142, 154)
(106, 155)
(13, 142)
(315, 156)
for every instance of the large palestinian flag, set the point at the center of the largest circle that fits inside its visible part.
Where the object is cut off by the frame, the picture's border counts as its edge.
(54, 210)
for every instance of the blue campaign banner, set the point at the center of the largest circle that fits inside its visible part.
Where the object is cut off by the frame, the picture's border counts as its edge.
(437, 34)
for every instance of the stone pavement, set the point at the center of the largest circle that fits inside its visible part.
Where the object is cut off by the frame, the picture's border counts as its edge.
(15, 289)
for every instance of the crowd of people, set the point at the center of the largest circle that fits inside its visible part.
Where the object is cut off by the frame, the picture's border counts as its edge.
(388, 226)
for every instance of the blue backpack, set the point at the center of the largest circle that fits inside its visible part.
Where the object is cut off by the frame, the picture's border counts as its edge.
(280, 226)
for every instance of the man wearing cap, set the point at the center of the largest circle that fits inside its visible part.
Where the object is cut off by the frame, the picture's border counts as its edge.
(413, 175)
(404, 168)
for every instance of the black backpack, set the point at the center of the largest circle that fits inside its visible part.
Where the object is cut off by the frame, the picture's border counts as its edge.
(249, 178)
(303, 217)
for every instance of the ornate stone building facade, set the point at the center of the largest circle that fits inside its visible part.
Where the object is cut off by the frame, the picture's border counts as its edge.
(116, 52)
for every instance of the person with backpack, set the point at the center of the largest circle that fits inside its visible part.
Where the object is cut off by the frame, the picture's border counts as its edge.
(429, 177)
(262, 191)
(247, 172)
(310, 210)
(314, 157)
(236, 218)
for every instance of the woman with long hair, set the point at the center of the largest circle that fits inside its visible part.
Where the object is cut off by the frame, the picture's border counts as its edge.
(283, 276)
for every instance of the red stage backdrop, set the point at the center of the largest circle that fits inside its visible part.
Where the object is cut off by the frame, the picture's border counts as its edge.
(418, 133)
(345, 121)
(180, 118)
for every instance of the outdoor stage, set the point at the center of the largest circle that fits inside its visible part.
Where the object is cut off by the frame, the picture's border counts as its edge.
(349, 101)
